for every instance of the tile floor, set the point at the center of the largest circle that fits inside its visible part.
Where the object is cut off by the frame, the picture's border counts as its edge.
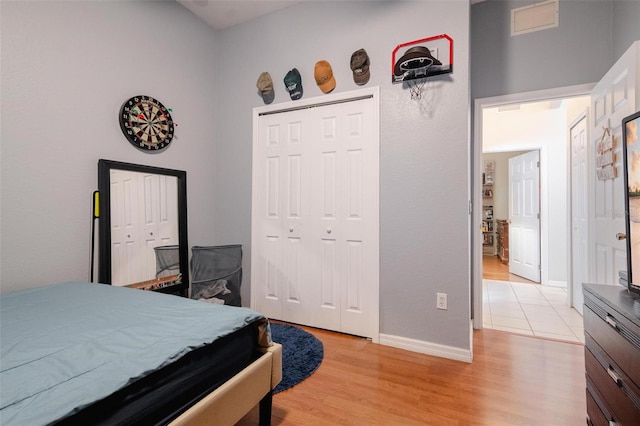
(530, 309)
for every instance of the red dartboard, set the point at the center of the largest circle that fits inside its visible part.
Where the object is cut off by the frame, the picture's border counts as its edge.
(146, 123)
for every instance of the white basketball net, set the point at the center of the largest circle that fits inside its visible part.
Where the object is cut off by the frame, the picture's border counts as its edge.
(415, 87)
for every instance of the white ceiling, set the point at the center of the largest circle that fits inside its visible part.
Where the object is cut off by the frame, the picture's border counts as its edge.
(221, 14)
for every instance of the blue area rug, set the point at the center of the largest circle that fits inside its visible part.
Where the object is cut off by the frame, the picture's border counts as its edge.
(301, 354)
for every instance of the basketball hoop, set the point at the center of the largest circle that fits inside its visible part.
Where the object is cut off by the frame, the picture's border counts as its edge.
(415, 61)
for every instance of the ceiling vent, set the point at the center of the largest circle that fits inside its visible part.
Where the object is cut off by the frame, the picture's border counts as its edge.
(536, 17)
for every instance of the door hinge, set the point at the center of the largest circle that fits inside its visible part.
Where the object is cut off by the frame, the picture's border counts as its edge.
(538, 164)
(470, 207)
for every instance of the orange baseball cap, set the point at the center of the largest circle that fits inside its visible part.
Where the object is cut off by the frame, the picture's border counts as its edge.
(324, 76)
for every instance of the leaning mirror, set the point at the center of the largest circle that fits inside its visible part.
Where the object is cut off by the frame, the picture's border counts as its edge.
(143, 227)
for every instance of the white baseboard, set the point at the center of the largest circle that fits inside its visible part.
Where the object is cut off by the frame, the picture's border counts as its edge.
(562, 284)
(428, 348)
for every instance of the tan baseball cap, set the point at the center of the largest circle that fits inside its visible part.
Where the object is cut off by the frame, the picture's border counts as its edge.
(324, 76)
(265, 86)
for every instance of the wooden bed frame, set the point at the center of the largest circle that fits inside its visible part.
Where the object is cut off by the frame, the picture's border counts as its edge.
(234, 399)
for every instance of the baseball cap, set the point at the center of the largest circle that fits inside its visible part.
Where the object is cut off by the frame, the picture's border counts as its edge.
(293, 83)
(360, 67)
(324, 76)
(265, 86)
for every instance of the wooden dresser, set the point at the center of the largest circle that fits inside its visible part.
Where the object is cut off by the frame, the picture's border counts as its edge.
(612, 355)
(502, 231)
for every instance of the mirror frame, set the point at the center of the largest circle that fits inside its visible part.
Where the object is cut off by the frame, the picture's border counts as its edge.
(104, 246)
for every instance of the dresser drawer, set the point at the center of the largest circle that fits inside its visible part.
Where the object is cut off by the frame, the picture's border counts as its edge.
(619, 396)
(597, 413)
(615, 334)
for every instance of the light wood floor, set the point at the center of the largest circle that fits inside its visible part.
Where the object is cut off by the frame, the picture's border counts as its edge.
(494, 269)
(513, 380)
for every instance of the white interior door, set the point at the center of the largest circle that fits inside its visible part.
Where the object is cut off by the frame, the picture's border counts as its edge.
(613, 98)
(524, 215)
(579, 187)
(315, 214)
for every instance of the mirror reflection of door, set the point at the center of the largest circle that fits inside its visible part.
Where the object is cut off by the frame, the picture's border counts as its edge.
(144, 215)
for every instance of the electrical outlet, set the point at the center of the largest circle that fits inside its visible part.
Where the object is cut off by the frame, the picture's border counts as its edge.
(442, 301)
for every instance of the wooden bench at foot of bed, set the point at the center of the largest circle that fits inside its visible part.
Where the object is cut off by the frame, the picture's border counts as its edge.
(235, 398)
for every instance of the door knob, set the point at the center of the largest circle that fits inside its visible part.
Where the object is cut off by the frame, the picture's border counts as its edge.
(291, 229)
(621, 236)
(328, 230)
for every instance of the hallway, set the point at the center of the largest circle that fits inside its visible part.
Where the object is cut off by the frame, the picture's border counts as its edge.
(516, 305)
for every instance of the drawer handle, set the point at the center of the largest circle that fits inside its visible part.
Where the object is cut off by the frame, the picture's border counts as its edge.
(614, 376)
(611, 321)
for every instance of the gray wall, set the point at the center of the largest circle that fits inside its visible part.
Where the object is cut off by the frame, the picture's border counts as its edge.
(626, 25)
(68, 66)
(423, 172)
(590, 37)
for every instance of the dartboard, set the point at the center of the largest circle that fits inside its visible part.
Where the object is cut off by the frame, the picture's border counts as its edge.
(146, 123)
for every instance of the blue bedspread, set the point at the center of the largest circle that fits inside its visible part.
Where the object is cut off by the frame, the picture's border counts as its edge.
(66, 345)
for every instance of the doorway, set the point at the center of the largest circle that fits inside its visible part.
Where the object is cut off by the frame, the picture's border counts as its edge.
(507, 195)
(511, 302)
(534, 133)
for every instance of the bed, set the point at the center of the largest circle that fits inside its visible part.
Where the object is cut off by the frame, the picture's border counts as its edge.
(81, 353)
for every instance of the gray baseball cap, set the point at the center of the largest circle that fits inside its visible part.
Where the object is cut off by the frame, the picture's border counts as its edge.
(265, 86)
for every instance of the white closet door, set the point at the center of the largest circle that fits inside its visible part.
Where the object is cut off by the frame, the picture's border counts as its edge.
(282, 207)
(125, 229)
(344, 216)
(144, 215)
(158, 217)
(315, 214)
